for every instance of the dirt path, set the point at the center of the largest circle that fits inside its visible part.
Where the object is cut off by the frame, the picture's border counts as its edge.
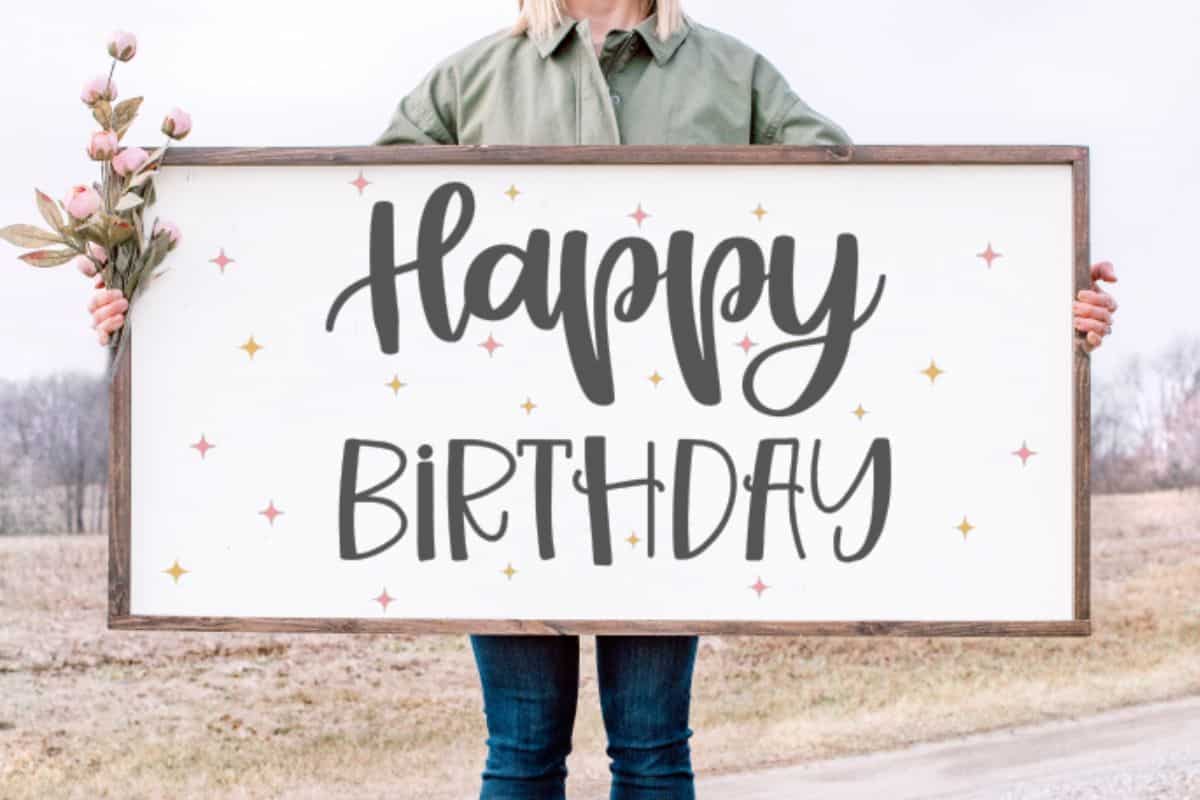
(1147, 751)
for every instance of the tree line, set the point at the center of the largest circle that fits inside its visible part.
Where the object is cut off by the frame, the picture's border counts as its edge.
(53, 454)
(54, 439)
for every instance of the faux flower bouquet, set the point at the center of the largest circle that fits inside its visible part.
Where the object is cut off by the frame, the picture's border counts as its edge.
(100, 228)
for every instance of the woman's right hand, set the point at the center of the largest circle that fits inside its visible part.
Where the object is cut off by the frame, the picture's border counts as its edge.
(107, 306)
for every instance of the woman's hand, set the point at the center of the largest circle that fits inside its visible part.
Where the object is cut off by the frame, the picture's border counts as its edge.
(107, 306)
(1094, 308)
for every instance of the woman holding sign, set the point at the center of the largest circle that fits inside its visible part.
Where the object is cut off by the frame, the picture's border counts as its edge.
(604, 72)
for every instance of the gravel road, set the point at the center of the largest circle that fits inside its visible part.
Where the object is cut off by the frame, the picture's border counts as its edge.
(1139, 753)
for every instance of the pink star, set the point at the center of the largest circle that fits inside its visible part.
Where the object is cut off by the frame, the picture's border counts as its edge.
(221, 261)
(759, 587)
(360, 183)
(384, 599)
(639, 216)
(271, 512)
(746, 344)
(989, 255)
(491, 345)
(203, 446)
(1024, 453)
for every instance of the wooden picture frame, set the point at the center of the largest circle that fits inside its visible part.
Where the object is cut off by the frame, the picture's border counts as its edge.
(121, 409)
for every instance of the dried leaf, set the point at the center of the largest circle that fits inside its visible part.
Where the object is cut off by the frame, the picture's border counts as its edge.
(138, 231)
(118, 230)
(103, 113)
(156, 253)
(124, 114)
(124, 259)
(29, 236)
(155, 157)
(141, 178)
(128, 201)
(47, 258)
(49, 211)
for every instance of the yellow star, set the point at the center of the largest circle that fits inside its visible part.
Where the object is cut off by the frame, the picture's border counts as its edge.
(633, 539)
(759, 212)
(860, 412)
(512, 192)
(965, 527)
(932, 371)
(175, 571)
(508, 571)
(395, 384)
(251, 347)
(529, 406)
(656, 379)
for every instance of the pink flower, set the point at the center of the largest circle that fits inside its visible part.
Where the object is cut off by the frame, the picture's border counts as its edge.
(122, 45)
(82, 201)
(102, 146)
(177, 124)
(130, 160)
(85, 265)
(98, 88)
(170, 229)
(97, 252)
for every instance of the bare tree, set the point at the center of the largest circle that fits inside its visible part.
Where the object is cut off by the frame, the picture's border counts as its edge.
(63, 419)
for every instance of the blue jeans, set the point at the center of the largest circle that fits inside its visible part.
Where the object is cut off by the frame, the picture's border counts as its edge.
(530, 689)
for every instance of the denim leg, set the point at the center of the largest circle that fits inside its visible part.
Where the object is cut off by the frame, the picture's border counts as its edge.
(530, 689)
(645, 694)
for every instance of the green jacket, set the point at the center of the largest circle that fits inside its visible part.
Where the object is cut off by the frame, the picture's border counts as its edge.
(697, 87)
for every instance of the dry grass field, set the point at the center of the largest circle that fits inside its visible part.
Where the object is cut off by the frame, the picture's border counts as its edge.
(85, 712)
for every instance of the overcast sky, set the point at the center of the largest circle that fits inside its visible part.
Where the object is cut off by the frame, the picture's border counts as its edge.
(1120, 77)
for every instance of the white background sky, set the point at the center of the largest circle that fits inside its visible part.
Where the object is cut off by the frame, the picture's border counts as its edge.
(1121, 77)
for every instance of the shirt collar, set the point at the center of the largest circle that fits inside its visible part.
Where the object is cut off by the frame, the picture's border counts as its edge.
(662, 50)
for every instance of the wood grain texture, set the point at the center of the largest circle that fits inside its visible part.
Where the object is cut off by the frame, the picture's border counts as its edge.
(586, 627)
(604, 154)
(120, 617)
(119, 470)
(1083, 395)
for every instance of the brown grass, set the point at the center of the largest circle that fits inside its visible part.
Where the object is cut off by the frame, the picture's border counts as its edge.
(85, 712)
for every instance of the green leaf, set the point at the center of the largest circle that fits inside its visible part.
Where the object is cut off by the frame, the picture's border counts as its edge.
(29, 236)
(49, 211)
(47, 258)
(128, 201)
(124, 114)
(156, 253)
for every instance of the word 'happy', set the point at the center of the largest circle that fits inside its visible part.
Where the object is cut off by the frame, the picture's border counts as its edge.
(587, 338)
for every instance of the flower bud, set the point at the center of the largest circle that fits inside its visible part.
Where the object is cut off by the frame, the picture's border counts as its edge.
(177, 124)
(98, 88)
(122, 45)
(129, 161)
(82, 201)
(168, 229)
(102, 146)
(85, 266)
(98, 253)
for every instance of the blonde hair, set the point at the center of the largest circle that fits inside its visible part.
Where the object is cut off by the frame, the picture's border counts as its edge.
(540, 17)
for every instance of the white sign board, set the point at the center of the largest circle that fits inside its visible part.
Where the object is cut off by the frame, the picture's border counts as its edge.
(556, 394)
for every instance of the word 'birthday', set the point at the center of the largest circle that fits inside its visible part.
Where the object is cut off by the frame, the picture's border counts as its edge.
(583, 314)
(597, 487)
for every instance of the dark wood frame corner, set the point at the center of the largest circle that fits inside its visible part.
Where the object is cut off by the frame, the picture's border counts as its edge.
(121, 409)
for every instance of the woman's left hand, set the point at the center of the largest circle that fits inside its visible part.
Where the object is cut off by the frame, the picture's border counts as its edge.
(1094, 308)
